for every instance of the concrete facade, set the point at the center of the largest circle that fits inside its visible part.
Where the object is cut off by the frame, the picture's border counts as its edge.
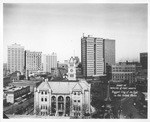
(92, 56)
(49, 61)
(109, 52)
(33, 61)
(121, 72)
(15, 58)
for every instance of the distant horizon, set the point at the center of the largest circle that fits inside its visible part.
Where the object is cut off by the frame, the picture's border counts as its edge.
(58, 28)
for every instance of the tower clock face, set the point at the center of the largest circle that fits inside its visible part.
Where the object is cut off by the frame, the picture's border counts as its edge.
(71, 70)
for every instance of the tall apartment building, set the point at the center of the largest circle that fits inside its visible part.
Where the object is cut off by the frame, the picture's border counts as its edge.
(95, 53)
(143, 60)
(109, 52)
(33, 61)
(49, 61)
(15, 58)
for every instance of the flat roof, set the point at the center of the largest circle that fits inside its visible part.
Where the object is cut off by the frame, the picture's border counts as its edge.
(13, 89)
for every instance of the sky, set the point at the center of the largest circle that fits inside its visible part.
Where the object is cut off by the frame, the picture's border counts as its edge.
(59, 27)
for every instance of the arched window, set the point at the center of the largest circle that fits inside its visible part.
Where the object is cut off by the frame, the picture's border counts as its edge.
(45, 99)
(53, 98)
(41, 99)
(67, 99)
(60, 98)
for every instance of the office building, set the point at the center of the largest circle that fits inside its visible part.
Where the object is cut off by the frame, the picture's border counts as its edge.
(92, 56)
(144, 60)
(49, 61)
(109, 53)
(33, 61)
(15, 58)
(123, 72)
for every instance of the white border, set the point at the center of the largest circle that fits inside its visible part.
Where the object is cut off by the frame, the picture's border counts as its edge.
(66, 1)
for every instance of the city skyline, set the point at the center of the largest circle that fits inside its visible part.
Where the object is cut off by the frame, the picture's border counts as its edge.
(53, 27)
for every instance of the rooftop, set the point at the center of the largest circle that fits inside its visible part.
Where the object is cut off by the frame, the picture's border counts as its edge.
(13, 89)
(63, 87)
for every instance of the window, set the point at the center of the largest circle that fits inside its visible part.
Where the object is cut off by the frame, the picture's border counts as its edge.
(71, 75)
(45, 99)
(74, 100)
(74, 93)
(45, 92)
(42, 93)
(78, 93)
(41, 99)
(79, 108)
(78, 100)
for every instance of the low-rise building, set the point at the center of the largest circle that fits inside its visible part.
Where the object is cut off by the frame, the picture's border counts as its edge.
(62, 98)
(15, 76)
(32, 84)
(13, 93)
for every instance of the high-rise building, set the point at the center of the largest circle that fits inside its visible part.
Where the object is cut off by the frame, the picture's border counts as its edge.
(96, 54)
(92, 56)
(143, 60)
(109, 52)
(33, 61)
(15, 58)
(49, 61)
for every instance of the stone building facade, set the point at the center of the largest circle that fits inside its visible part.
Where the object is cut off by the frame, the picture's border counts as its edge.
(62, 98)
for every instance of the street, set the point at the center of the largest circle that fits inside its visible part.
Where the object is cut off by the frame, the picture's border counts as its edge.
(24, 106)
(128, 109)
